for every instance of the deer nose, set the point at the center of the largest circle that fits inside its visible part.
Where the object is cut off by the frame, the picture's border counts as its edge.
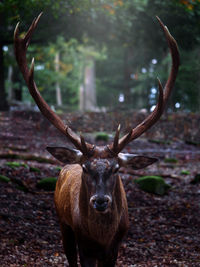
(100, 203)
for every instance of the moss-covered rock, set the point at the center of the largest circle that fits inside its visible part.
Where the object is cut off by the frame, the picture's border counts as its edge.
(19, 184)
(170, 160)
(58, 168)
(14, 164)
(48, 183)
(184, 172)
(162, 142)
(153, 184)
(22, 188)
(34, 169)
(26, 157)
(101, 136)
(59, 111)
(4, 179)
(191, 142)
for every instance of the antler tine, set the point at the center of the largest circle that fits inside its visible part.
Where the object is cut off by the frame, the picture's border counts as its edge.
(84, 145)
(147, 123)
(142, 126)
(30, 31)
(116, 139)
(163, 95)
(124, 141)
(16, 31)
(43, 106)
(21, 45)
(175, 60)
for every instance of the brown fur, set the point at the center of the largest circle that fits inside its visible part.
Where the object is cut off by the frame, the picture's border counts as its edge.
(94, 229)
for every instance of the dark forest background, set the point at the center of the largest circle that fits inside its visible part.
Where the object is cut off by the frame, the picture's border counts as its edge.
(116, 46)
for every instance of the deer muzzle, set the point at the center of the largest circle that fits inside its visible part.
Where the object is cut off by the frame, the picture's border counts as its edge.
(100, 203)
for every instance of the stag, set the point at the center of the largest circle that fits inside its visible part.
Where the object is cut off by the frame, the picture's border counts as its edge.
(89, 197)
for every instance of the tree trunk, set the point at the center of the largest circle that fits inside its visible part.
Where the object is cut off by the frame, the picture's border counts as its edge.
(17, 86)
(81, 98)
(10, 88)
(88, 90)
(127, 78)
(58, 90)
(3, 100)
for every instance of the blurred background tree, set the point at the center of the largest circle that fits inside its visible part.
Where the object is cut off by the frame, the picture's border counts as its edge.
(117, 45)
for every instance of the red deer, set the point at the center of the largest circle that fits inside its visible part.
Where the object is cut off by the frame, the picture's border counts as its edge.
(89, 197)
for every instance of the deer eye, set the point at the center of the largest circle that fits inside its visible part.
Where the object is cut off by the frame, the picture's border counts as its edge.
(85, 168)
(116, 168)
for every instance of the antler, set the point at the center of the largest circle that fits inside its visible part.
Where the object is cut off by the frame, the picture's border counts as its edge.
(21, 46)
(119, 144)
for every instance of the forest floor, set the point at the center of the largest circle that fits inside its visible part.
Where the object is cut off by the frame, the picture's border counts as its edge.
(164, 230)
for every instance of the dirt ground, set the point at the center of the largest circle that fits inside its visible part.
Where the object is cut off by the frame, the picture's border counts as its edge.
(164, 230)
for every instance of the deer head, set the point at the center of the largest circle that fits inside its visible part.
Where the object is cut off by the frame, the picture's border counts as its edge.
(100, 172)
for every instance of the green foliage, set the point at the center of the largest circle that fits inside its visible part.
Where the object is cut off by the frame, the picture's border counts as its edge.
(153, 184)
(46, 75)
(4, 179)
(13, 11)
(122, 36)
(73, 57)
(48, 183)
(188, 79)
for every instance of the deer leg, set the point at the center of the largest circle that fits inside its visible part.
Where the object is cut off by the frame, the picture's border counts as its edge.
(85, 260)
(107, 262)
(110, 259)
(69, 245)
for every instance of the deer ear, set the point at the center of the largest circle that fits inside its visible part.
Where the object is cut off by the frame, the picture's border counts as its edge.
(134, 161)
(65, 155)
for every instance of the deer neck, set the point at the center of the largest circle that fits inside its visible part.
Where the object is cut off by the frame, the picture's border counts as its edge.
(101, 226)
